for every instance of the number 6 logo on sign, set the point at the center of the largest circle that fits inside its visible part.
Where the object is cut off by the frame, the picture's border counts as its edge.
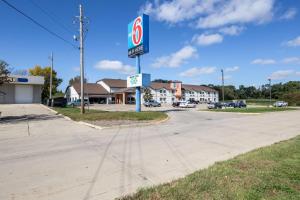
(137, 31)
(138, 36)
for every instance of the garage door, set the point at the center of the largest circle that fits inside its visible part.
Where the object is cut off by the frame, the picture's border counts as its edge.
(24, 94)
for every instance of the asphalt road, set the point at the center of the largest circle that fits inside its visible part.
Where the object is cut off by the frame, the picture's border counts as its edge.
(44, 156)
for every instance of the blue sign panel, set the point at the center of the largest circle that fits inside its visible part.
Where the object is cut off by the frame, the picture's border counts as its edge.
(138, 36)
(22, 80)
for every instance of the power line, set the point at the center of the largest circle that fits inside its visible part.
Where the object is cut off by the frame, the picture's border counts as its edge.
(52, 16)
(38, 24)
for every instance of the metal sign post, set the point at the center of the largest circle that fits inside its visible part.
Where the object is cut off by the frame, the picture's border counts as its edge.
(138, 89)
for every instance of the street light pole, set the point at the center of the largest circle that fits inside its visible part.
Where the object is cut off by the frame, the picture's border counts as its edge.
(270, 87)
(222, 71)
(81, 59)
(51, 72)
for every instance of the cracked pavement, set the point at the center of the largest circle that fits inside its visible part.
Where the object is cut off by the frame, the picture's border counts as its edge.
(44, 156)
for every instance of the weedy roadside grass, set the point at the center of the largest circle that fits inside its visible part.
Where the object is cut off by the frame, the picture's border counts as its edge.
(96, 115)
(253, 109)
(271, 172)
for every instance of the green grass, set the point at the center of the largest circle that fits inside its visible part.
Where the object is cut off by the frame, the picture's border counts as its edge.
(252, 110)
(96, 115)
(267, 173)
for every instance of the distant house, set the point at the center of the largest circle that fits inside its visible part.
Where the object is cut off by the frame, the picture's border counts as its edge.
(115, 91)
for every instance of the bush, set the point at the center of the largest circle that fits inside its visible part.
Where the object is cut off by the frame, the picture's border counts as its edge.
(292, 98)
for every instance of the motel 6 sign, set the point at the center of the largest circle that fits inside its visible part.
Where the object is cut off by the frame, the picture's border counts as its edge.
(138, 36)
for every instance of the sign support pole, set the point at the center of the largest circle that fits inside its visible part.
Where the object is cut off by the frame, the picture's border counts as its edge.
(138, 89)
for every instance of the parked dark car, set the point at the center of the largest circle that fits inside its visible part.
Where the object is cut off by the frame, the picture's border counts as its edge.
(194, 101)
(215, 105)
(231, 104)
(240, 104)
(175, 104)
(58, 102)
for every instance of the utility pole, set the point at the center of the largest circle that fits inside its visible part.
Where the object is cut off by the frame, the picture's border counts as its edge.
(270, 87)
(81, 58)
(222, 71)
(51, 72)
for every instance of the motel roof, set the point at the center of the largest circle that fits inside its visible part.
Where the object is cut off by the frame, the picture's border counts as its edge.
(90, 89)
(115, 83)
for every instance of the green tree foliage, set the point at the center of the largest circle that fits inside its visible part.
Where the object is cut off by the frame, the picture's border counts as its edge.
(292, 98)
(4, 72)
(279, 91)
(147, 94)
(39, 71)
(76, 79)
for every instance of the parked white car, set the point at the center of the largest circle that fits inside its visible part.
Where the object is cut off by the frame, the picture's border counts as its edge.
(280, 104)
(187, 104)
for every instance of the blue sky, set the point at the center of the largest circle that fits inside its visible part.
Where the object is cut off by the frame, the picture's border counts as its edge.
(190, 40)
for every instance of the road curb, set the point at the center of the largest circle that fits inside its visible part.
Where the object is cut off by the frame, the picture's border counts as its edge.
(51, 110)
(106, 127)
(90, 125)
(127, 126)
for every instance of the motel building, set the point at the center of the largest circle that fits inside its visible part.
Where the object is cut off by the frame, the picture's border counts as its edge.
(115, 91)
(22, 89)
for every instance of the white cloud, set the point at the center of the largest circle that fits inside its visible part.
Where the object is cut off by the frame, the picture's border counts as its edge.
(263, 61)
(206, 39)
(238, 12)
(178, 10)
(212, 13)
(232, 30)
(293, 43)
(281, 74)
(291, 60)
(196, 71)
(176, 59)
(289, 14)
(232, 69)
(114, 65)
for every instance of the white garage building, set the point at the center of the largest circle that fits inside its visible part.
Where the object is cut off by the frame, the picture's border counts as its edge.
(22, 89)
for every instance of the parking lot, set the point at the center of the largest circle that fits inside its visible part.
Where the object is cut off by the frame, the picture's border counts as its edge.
(44, 156)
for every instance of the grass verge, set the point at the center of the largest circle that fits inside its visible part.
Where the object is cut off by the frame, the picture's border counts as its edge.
(252, 110)
(267, 173)
(96, 115)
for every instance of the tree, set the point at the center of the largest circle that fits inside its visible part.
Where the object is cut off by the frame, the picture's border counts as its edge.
(4, 72)
(147, 94)
(39, 71)
(76, 79)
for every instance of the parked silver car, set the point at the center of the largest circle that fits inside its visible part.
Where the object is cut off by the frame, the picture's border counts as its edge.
(77, 102)
(187, 104)
(280, 104)
(152, 103)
